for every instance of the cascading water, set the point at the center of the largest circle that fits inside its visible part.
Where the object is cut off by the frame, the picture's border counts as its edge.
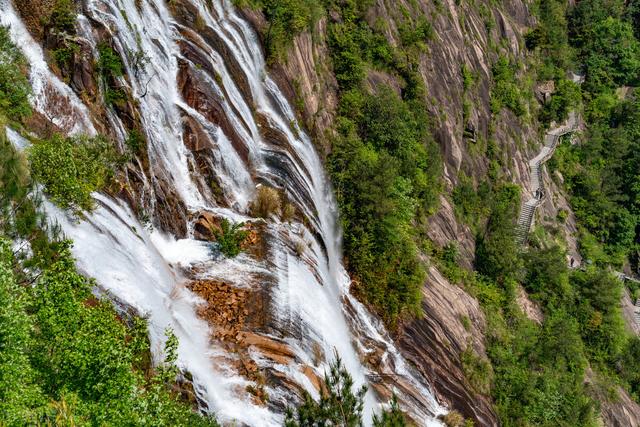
(147, 270)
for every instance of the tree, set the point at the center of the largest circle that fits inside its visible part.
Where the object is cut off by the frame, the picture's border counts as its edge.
(14, 86)
(21, 399)
(339, 404)
(497, 252)
(611, 55)
(393, 417)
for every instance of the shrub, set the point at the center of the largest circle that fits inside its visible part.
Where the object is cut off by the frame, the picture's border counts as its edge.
(286, 19)
(135, 142)
(14, 86)
(497, 253)
(110, 68)
(230, 237)
(566, 98)
(72, 168)
(267, 202)
(453, 419)
(505, 92)
(477, 370)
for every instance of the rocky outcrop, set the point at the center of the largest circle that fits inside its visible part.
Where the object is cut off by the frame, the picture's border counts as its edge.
(617, 408)
(623, 411)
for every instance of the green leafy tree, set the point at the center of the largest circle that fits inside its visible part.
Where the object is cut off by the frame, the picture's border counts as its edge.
(20, 396)
(392, 417)
(497, 253)
(339, 404)
(72, 168)
(14, 86)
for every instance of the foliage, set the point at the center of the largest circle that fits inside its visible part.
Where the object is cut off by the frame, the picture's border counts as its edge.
(598, 313)
(110, 68)
(470, 203)
(19, 391)
(477, 370)
(286, 19)
(385, 177)
(565, 98)
(547, 276)
(551, 40)
(384, 163)
(393, 417)
(63, 16)
(506, 92)
(14, 86)
(135, 142)
(66, 356)
(602, 176)
(339, 403)
(230, 237)
(72, 168)
(497, 254)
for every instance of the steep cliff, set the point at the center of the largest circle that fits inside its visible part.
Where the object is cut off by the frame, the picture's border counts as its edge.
(466, 37)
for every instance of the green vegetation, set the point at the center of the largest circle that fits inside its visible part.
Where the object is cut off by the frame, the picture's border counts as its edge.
(110, 68)
(385, 177)
(14, 86)
(72, 168)
(506, 92)
(601, 174)
(67, 357)
(385, 166)
(229, 237)
(497, 253)
(70, 356)
(61, 26)
(340, 404)
(286, 19)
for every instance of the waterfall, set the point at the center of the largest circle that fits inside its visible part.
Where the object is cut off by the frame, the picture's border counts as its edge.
(148, 270)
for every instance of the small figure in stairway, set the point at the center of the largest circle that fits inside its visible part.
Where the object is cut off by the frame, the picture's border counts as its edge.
(539, 194)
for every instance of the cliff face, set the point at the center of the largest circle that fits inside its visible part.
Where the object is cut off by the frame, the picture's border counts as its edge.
(470, 37)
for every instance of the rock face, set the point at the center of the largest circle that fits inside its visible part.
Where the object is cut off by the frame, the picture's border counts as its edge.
(452, 321)
(621, 413)
(465, 35)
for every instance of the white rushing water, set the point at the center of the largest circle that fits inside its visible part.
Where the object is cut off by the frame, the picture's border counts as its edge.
(144, 269)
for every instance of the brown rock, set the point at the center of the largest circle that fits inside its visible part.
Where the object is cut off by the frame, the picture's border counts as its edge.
(434, 345)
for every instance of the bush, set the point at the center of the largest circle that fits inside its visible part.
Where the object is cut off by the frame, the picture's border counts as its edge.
(110, 68)
(497, 253)
(566, 98)
(72, 168)
(286, 19)
(453, 419)
(505, 92)
(339, 403)
(386, 172)
(14, 86)
(477, 370)
(267, 202)
(230, 237)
